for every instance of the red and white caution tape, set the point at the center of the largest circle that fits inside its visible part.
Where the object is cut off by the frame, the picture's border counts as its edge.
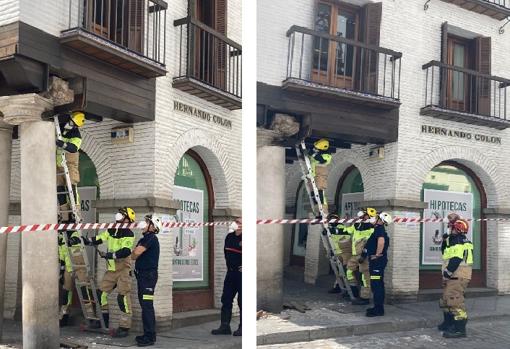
(141, 225)
(94, 226)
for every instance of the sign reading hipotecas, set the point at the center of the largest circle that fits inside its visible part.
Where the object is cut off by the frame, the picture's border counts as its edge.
(441, 203)
(188, 260)
(351, 204)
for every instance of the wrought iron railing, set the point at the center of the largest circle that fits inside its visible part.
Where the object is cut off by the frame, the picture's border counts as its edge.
(136, 25)
(502, 3)
(466, 91)
(337, 62)
(208, 56)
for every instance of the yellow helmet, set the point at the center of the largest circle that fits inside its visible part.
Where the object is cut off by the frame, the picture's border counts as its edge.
(321, 144)
(371, 212)
(129, 213)
(78, 118)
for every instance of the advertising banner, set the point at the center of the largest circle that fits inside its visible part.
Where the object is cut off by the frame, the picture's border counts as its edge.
(441, 203)
(188, 260)
(351, 204)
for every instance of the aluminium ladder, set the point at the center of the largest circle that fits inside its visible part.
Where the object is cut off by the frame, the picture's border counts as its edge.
(90, 284)
(316, 204)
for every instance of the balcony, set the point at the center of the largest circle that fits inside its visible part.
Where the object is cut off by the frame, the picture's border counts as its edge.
(320, 64)
(129, 34)
(465, 95)
(498, 9)
(210, 64)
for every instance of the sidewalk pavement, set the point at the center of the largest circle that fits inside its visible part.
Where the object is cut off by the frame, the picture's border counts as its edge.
(191, 337)
(328, 316)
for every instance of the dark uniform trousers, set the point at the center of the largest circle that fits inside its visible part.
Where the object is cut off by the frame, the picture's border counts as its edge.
(376, 268)
(147, 280)
(231, 287)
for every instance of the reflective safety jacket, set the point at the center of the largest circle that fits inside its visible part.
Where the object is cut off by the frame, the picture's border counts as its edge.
(341, 238)
(64, 252)
(361, 233)
(120, 244)
(320, 158)
(458, 256)
(72, 140)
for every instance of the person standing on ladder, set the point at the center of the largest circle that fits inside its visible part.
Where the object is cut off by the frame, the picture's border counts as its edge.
(69, 146)
(358, 273)
(341, 236)
(69, 253)
(320, 158)
(120, 243)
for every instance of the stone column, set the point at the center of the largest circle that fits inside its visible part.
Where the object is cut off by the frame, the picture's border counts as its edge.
(5, 184)
(38, 205)
(271, 204)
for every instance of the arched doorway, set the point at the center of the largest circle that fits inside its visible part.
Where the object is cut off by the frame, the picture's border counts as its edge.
(451, 187)
(349, 193)
(88, 188)
(193, 287)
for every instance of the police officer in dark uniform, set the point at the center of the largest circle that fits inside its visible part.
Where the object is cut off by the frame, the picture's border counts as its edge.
(146, 254)
(233, 279)
(376, 250)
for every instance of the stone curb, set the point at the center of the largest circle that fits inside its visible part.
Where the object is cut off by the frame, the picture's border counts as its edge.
(357, 330)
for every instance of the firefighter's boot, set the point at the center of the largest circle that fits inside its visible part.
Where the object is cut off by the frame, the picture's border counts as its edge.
(447, 322)
(458, 330)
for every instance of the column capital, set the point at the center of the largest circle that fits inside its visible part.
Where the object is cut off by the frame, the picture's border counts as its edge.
(18, 109)
(282, 127)
(59, 92)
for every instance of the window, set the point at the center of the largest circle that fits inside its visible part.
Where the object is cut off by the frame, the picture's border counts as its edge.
(121, 21)
(341, 64)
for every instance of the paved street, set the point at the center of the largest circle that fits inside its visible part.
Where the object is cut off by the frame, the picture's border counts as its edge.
(481, 335)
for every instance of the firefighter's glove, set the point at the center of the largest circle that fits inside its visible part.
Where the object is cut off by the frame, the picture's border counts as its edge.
(447, 275)
(102, 254)
(445, 236)
(86, 240)
(61, 144)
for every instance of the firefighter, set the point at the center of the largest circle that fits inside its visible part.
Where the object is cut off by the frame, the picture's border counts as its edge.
(358, 273)
(72, 252)
(119, 243)
(456, 271)
(320, 158)
(69, 146)
(376, 251)
(233, 279)
(342, 245)
(146, 254)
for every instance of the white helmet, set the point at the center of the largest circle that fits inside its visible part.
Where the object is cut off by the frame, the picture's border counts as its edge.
(233, 227)
(360, 214)
(156, 221)
(385, 217)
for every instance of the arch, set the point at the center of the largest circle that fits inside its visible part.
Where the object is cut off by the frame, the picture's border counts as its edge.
(95, 149)
(216, 160)
(342, 161)
(484, 168)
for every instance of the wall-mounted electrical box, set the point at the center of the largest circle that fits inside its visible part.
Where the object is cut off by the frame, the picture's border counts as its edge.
(121, 135)
(376, 153)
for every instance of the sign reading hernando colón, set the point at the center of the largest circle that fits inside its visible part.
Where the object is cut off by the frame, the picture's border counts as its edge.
(201, 114)
(441, 131)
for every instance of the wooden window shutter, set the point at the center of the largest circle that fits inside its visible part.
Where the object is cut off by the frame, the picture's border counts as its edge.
(136, 17)
(372, 15)
(444, 59)
(220, 25)
(483, 65)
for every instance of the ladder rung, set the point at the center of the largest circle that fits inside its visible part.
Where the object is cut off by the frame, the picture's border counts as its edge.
(66, 211)
(79, 265)
(61, 173)
(62, 192)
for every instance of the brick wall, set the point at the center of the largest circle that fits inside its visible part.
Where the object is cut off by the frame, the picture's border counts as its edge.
(147, 167)
(406, 163)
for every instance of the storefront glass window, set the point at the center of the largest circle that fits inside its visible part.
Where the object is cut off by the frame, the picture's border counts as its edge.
(190, 175)
(448, 188)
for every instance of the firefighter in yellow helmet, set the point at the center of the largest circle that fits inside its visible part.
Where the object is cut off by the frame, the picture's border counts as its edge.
(341, 235)
(457, 269)
(120, 242)
(358, 273)
(320, 158)
(69, 145)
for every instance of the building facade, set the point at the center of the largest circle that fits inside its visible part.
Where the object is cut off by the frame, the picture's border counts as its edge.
(160, 83)
(413, 96)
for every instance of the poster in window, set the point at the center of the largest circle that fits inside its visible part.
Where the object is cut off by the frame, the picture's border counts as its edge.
(187, 242)
(440, 204)
(351, 204)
